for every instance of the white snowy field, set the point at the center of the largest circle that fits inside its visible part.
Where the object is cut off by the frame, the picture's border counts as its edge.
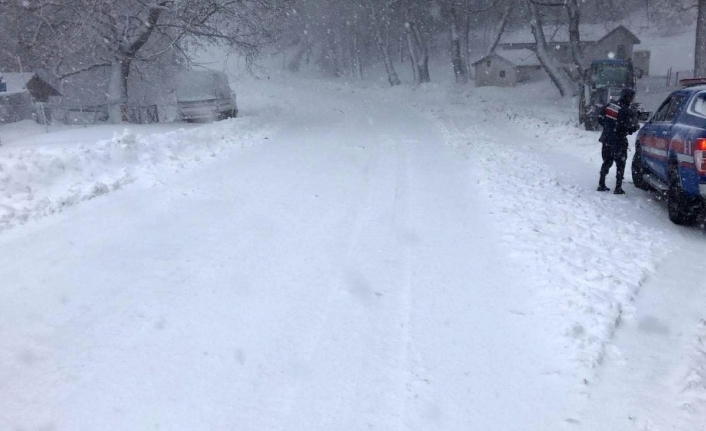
(344, 258)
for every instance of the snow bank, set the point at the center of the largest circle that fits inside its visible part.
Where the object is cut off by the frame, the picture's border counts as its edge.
(42, 180)
(585, 254)
(694, 389)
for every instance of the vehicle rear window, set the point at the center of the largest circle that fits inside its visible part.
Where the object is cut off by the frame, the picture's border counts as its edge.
(698, 107)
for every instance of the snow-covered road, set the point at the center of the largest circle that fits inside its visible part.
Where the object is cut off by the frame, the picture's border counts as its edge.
(368, 265)
(340, 276)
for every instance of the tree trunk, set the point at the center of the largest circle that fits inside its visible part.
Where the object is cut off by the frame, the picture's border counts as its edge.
(334, 61)
(424, 54)
(400, 46)
(467, 44)
(358, 59)
(414, 59)
(120, 69)
(501, 27)
(384, 47)
(543, 55)
(700, 52)
(296, 61)
(457, 59)
(574, 12)
(117, 90)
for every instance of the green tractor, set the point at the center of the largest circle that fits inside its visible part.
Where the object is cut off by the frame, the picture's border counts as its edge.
(603, 81)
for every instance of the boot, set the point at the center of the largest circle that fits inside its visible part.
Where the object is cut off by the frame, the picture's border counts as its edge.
(619, 189)
(601, 185)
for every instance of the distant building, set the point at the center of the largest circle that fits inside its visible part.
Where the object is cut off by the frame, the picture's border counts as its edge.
(596, 43)
(507, 68)
(22, 92)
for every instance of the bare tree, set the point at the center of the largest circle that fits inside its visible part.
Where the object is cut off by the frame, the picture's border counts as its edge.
(458, 22)
(416, 44)
(381, 18)
(502, 25)
(573, 10)
(555, 74)
(89, 34)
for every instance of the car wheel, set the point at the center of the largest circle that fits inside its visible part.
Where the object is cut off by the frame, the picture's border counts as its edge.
(638, 170)
(679, 205)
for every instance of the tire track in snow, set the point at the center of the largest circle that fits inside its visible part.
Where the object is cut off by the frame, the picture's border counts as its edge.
(364, 306)
(412, 362)
(358, 221)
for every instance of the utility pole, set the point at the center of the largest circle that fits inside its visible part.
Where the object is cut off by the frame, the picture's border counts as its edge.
(700, 51)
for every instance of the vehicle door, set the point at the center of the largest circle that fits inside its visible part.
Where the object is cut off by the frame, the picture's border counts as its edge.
(658, 134)
(690, 128)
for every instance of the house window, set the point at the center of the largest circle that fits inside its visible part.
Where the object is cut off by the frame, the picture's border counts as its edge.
(487, 63)
(502, 73)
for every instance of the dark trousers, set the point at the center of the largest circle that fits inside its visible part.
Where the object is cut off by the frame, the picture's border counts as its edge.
(614, 152)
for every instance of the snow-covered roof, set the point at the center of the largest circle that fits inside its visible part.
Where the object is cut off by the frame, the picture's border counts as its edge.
(518, 57)
(560, 33)
(16, 82)
(40, 89)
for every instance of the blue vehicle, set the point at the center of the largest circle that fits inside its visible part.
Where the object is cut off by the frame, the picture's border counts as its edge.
(670, 152)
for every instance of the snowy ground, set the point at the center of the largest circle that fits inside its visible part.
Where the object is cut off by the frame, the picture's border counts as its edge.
(344, 258)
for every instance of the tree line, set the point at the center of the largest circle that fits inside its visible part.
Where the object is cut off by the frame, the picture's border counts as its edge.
(342, 37)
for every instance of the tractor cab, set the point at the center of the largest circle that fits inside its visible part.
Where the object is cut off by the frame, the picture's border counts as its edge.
(602, 82)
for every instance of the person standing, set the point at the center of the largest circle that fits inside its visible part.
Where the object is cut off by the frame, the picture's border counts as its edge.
(618, 122)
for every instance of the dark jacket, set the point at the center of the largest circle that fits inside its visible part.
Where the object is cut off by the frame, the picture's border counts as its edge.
(618, 121)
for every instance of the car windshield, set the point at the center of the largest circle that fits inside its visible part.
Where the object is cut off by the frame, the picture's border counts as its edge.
(609, 74)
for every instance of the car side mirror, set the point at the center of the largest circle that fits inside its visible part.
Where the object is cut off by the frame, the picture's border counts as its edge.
(644, 116)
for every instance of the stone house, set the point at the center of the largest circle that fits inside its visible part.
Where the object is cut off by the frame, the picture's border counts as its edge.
(596, 44)
(507, 68)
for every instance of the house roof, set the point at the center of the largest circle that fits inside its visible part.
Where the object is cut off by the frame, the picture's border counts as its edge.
(624, 30)
(27, 81)
(16, 82)
(590, 33)
(518, 57)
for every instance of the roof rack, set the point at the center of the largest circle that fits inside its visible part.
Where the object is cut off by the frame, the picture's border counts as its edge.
(692, 82)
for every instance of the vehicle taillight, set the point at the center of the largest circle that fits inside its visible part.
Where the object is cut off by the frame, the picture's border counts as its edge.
(700, 155)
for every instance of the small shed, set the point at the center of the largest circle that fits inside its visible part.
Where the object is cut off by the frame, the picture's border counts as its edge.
(507, 68)
(22, 91)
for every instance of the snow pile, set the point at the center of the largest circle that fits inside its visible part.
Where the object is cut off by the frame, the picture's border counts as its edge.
(584, 252)
(38, 181)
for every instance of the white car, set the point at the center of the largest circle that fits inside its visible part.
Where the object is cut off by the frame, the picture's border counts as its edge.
(204, 96)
